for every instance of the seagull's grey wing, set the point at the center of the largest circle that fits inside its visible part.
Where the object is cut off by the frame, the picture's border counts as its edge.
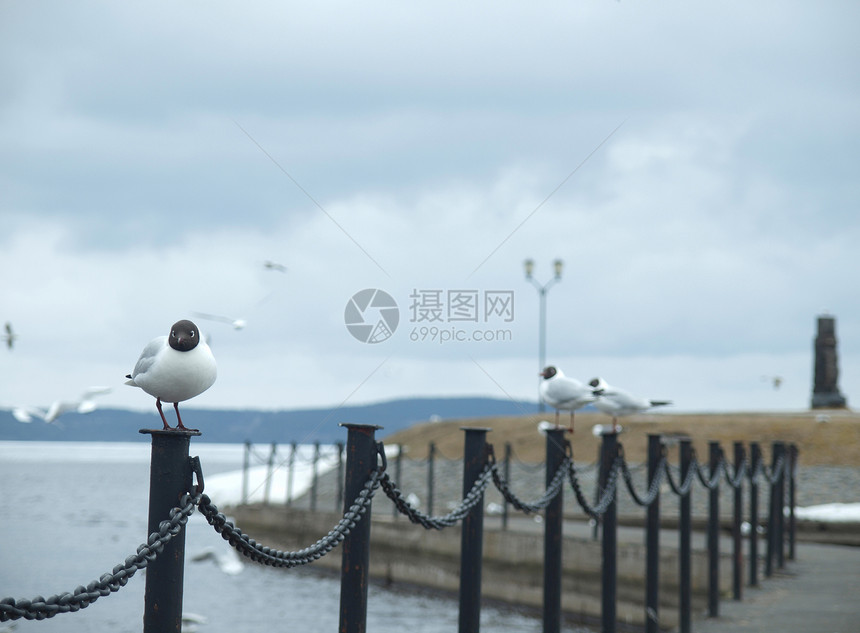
(147, 356)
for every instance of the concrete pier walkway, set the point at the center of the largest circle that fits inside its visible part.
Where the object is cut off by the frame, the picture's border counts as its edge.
(819, 592)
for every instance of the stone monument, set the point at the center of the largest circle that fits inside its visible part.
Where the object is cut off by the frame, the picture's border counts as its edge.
(825, 390)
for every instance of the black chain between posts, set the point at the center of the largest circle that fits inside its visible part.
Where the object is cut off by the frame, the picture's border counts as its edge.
(39, 608)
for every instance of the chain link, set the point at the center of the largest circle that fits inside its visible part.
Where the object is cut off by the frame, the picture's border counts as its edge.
(653, 489)
(552, 491)
(607, 495)
(437, 523)
(248, 547)
(40, 608)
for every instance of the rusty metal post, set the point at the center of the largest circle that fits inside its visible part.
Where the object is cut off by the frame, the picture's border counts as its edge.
(170, 478)
(652, 541)
(609, 549)
(552, 542)
(472, 533)
(361, 460)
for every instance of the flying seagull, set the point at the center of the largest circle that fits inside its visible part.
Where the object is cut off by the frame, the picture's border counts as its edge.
(10, 336)
(175, 368)
(270, 265)
(563, 393)
(85, 403)
(236, 324)
(618, 403)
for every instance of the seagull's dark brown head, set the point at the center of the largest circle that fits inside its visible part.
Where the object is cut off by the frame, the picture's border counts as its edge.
(184, 336)
(549, 372)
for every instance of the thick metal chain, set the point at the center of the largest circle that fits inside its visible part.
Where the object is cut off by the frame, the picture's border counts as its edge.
(266, 555)
(776, 473)
(552, 491)
(714, 481)
(452, 518)
(737, 480)
(684, 489)
(39, 608)
(607, 495)
(653, 489)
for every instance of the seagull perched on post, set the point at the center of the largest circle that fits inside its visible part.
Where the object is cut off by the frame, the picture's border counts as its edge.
(175, 368)
(618, 403)
(563, 393)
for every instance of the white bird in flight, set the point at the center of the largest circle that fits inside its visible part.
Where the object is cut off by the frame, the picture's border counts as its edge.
(175, 368)
(563, 393)
(83, 404)
(618, 403)
(236, 324)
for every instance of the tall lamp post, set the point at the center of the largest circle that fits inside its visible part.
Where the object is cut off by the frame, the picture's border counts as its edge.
(529, 266)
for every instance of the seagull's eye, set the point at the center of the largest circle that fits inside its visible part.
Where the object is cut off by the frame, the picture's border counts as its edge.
(191, 334)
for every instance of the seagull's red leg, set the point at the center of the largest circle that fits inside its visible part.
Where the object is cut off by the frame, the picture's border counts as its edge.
(163, 419)
(180, 425)
(570, 430)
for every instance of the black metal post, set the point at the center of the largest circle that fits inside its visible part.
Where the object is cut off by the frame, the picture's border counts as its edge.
(338, 502)
(771, 520)
(755, 460)
(170, 477)
(609, 544)
(361, 460)
(714, 533)
(270, 467)
(552, 542)
(737, 519)
(291, 468)
(315, 476)
(684, 542)
(652, 541)
(431, 476)
(507, 471)
(398, 471)
(792, 501)
(595, 532)
(472, 533)
(779, 450)
(246, 464)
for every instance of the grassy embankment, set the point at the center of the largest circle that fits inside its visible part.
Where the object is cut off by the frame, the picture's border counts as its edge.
(834, 443)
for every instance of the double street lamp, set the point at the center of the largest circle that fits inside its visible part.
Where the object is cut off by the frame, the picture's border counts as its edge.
(529, 266)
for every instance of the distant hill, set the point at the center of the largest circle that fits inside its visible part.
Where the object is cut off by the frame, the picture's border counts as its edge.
(300, 425)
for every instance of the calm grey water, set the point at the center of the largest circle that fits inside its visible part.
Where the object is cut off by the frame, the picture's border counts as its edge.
(71, 511)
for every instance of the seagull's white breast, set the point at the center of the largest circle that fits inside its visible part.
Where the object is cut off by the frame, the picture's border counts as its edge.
(174, 376)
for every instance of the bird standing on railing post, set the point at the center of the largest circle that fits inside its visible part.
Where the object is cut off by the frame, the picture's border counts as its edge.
(175, 368)
(563, 393)
(617, 402)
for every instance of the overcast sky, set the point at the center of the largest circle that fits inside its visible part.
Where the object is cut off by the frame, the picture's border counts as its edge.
(694, 166)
